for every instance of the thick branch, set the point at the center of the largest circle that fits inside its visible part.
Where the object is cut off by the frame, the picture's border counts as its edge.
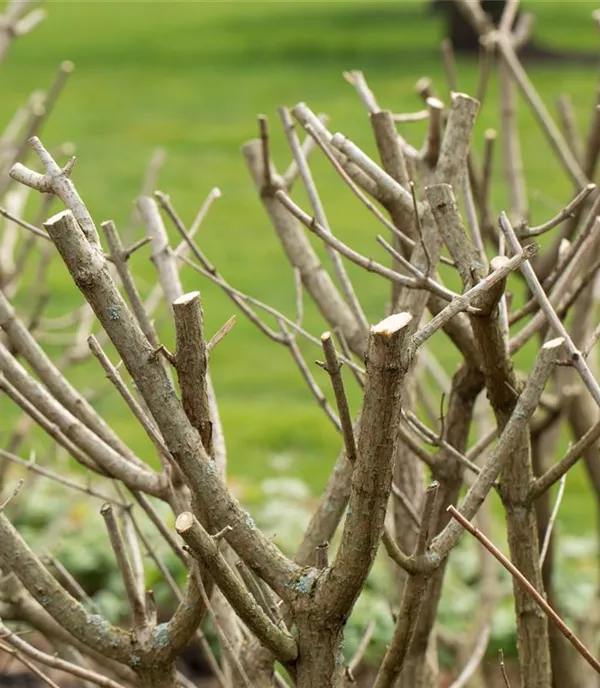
(387, 366)
(509, 440)
(90, 272)
(205, 549)
(114, 465)
(25, 344)
(191, 364)
(93, 630)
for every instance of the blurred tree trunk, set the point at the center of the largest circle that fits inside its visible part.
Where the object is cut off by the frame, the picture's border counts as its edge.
(458, 29)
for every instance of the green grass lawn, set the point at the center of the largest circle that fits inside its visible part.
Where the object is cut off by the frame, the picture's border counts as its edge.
(191, 77)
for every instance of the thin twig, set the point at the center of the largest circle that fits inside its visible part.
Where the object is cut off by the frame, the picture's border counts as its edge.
(367, 263)
(136, 601)
(567, 212)
(475, 659)
(319, 212)
(53, 661)
(577, 359)
(309, 378)
(574, 453)
(263, 126)
(26, 225)
(526, 585)
(12, 495)
(357, 191)
(552, 520)
(360, 651)
(503, 669)
(29, 665)
(275, 336)
(114, 376)
(333, 368)
(57, 477)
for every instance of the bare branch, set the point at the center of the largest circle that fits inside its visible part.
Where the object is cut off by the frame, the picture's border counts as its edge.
(522, 581)
(387, 364)
(431, 150)
(366, 263)
(568, 122)
(206, 550)
(564, 214)
(321, 399)
(457, 139)
(510, 438)
(111, 462)
(191, 363)
(555, 139)
(95, 632)
(552, 520)
(151, 379)
(333, 367)
(57, 477)
(554, 474)
(56, 181)
(357, 79)
(136, 601)
(302, 256)
(321, 218)
(25, 344)
(119, 257)
(502, 268)
(305, 116)
(162, 257)
(577, 359)
(113, 375)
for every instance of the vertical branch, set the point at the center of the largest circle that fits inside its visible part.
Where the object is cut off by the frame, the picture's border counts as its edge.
(333, 367)
(592, 144)
(394, 163)
(511, 148)
(555, 139)
(162, 256)
(387, 365)
(119, 259)
(191, 364)
(303, 257)
(564, 106)
(135, 599)
(501, 383)
(319, 213)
